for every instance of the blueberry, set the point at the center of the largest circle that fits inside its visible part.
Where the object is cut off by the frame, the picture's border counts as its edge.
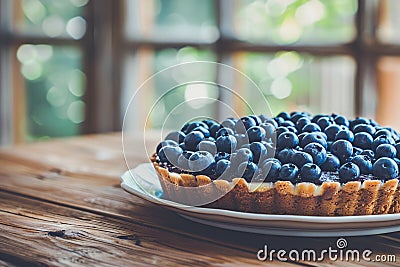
(383, 139)
(342, 120)
(331, 164)
(247, 170)
(226, 143)
(192, 139)
(395, 134)
(263, 117)
(287, 140)
(280, 130)
(310, 173)
(224, 131)
(166, 143)
(170, 154)
(212, 139)
(256, 134)
(324, 122)
(364, 163)
(221, 155)
(349, 172)
(270, 153)
(268, 128)
(311, 127)
(317, 152)
(331, 131)
(397, 160)
(342, 149)
(289, 172)
(229, 123)
(185, 127)
(201, 161)
(313, 138)
(176, 136)
(385, 132)
(397, 146)
(243, 124)
(301, 136)
(300, 158)
(285, 155)
(368, 153)
(302, 122)
(345, 135)
(317, 117)
(209, 122)
(207, 146)
(192, 125)
(385, 150)
(295, 117)
(284, 115)
(292, 129)
(256, 119)
(222, 167)
(241, 155)
(364, 128)
(363, 140)
(183, 160)
(358, 121)
(279, 120)
(272, 122)
(287, 124)
(374, 123)
(214, 129)
(270, 169)
(258, 150)
(385, 168)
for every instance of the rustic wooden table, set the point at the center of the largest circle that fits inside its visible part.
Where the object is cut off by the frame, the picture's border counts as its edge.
(61, 204)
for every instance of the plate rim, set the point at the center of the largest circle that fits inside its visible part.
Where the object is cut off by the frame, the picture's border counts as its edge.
(297, 232)
(127, 178)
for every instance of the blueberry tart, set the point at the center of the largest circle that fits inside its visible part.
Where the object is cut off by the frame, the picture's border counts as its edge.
(294, 163)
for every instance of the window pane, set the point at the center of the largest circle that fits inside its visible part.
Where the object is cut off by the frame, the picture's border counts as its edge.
(61, 18)
(388, 93)
(176, 20)
(54, 84)
(388, 29)
(182, 98)
(287, 22)
(297, 81)
(167, 94)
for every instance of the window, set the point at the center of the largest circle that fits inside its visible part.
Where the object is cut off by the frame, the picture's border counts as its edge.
(321, 56)
(42, 41)
(73, 64)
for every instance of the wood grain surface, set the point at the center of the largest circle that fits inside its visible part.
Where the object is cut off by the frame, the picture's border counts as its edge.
(61, 205)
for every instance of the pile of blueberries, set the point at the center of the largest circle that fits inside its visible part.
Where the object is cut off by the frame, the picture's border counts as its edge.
(296, 147)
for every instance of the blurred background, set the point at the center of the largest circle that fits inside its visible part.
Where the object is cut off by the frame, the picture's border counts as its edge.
(69, 67)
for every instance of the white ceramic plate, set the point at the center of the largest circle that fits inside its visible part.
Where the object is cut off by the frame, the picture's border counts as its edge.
(143, 182)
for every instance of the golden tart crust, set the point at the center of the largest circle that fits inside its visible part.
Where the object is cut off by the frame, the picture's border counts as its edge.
(282, 197)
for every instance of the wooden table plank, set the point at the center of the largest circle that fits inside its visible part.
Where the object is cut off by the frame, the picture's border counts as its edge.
(81, 175)
(68, 236)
